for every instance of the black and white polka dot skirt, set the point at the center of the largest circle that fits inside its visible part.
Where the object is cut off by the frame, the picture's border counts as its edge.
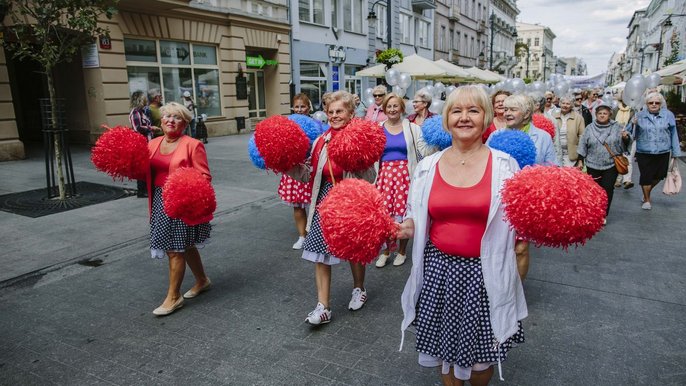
(314, 247)
(453, 318)
(168, 234)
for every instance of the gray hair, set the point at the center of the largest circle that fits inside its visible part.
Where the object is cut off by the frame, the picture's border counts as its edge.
(423, 96)
(568, 98)
(176, 108)
(522, 102)
(653, 95)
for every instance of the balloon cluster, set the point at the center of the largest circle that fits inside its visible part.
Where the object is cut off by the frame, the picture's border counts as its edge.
(632, 95)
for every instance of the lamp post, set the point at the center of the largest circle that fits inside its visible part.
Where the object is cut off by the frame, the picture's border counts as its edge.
(642, 51)
(389, 14)
(493, 28)
(667, 23)
(545, 63)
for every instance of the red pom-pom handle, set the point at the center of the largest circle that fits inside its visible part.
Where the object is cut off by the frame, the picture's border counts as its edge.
(554, 206)
(358, 145)
(188, 195)
(281, 143)
(355, 222)
(122, 153)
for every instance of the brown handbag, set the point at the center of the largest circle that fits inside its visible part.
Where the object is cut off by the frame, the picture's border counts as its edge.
(621, 162)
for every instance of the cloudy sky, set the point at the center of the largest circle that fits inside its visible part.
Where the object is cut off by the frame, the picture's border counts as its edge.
(590, 29)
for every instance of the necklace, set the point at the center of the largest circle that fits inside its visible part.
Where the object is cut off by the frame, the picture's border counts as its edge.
(471, 154)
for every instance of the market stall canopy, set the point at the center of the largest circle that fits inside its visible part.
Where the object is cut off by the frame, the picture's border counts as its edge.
(674, 73)
(485, 75)
(619, 85)
(416, 66)
(457, 73)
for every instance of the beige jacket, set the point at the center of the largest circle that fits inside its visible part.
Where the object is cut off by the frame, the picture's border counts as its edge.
(575, 127)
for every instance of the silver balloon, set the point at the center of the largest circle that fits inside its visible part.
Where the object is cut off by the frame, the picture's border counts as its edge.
(368, 93)
(634, 88)
(320, 116)
(392, 76)
(518, 85)
(563, 88)
(653, 80)
(404, 80)
(439, 89)
(429, 89)
(369, 101)
(450, 89)
(409, 107)
(437, 106)
(537, 86)
(399, 90)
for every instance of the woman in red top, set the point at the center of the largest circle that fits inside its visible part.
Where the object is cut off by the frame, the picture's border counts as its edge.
(421, 104)
(498, 113)
(172, 236)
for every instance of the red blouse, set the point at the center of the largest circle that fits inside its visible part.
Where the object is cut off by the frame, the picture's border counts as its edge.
(326, 172)
(160, 167)
(459, 215)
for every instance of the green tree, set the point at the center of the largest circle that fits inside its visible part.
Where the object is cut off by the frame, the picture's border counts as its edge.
(675, 44)
(52, 32)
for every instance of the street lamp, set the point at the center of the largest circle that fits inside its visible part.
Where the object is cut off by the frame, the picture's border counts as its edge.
(667, 23)
(492, 20)
(389, 14)
(642, 51)
(545, 63)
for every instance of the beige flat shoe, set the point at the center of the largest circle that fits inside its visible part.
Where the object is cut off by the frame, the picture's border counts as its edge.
(162, 311)
(190, 294)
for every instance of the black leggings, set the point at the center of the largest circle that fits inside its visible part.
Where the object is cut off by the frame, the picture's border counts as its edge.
(606, 180)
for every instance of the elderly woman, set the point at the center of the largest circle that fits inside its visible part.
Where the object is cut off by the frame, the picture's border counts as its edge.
(518, 112)
(654, 128)
(375, 112)
(140, 122)
(592, 149)
(323, 174)
(179, 241)
(569, 126)
(420, 103)
(463, 294)
(498, 113)
(295, 193)
(405, 146)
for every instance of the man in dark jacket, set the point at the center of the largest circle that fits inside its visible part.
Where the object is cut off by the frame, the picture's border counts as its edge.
(581, 109)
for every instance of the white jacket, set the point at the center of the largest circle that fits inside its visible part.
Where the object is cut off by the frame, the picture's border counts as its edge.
(498, 260)
(415, 144)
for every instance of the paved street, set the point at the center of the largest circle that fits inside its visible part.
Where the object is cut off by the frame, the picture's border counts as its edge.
(608, 313)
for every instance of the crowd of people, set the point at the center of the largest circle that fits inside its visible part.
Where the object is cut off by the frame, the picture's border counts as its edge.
(464, 327)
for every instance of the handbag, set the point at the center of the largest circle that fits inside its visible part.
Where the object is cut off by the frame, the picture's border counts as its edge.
(673, 180)
(621, 162)
(414, 143)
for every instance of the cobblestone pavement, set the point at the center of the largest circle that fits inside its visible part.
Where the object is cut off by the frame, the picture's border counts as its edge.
(79, 288)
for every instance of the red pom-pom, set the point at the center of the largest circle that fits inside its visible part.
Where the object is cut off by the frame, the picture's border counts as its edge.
(355, 222)
(281, 143)
(358, 145)
(554, 206)
(544, 124)
(188, 195)
(122, 153)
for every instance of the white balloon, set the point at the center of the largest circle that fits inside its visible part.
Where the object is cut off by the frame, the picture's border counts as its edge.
(563, 88)
(518, 86)
(437, 106)
(320, 116)
(653, 80)
(450, 89)
(429, 89)
(368, 93)
(404, 80)
(392, 76)
(409, 108)
(439, 89)
(537, 86)
(399, 90)
(369, 101)
(499, 85)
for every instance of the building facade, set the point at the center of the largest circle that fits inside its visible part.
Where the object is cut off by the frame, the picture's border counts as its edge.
(536, 59)
(232, 56)
(664, 23)
(572, 66)
(502, 35)
(412, 27)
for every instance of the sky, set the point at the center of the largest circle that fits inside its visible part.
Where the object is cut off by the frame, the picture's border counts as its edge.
(589, 29)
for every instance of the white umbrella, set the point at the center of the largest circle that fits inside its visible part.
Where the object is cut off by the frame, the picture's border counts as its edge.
(457, 73)
(416, 66)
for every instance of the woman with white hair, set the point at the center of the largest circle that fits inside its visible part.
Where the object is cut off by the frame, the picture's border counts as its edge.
(420, 103)
(569, 127)
(656, 139)
(375, 112)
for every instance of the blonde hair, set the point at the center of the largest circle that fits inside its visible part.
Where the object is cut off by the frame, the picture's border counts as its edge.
(469, 93)
(342, 96)
(138, 100)
(176, 108)
(380, 88)
(388, 98)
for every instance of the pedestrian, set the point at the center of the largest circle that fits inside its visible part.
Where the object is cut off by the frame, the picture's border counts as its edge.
(498, 113)
(623, 116)
(375, 112)
(654, 128)
(323, 173)
(295, 193)
(420, 103)
(140, 122)
(569, 127)
(592, 101)
(180, 242)
(360, 110)
(190, 105)
(155, 98)
(581, 109)
(464, 295)
(601, 140)
(405, 147)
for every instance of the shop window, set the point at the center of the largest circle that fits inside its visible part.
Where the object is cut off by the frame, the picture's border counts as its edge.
(381, 22)
(311, 11)
(352, 15)
(313, 81)
(172, 68)
(256, 95)
(353, 84)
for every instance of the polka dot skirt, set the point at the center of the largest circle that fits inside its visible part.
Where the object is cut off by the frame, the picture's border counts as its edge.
(168, 234)
(294, 192)
(394, 184)
(314, 247)
(453, 318)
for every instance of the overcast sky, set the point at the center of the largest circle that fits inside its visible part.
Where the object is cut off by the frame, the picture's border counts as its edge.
(589, 29)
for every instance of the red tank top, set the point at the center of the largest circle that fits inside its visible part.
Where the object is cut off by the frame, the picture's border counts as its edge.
(160, 167)
(326, 172)
(459, 215)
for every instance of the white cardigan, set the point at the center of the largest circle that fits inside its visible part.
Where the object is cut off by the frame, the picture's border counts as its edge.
(415, 143)
(498, 260)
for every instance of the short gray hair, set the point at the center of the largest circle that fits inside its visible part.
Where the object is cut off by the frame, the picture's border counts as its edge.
(522, 102)
(423, 96)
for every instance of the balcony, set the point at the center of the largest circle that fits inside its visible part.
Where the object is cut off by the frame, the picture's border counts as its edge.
(454, 14)
(423, 4)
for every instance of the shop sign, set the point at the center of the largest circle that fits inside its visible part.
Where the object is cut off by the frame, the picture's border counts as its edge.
(259, 62)
(105, 42)
(336, 54)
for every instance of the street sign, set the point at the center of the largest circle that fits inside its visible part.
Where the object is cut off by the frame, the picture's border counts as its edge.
(259, 62)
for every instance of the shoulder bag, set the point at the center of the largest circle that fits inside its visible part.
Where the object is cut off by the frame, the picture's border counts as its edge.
(673, 180)
(621, 162)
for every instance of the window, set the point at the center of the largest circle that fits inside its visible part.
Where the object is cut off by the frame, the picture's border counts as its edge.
(536, 42)
(353, 84)
(423, 33)
(381, 22)
(334, 13)
(451, 34)
(171, 68)
(405, 4)
(405, 29)
(311, 11)
(441, 39)
(352, 15)
(313, 81)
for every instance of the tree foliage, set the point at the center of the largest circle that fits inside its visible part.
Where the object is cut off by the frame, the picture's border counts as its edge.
(674, 55)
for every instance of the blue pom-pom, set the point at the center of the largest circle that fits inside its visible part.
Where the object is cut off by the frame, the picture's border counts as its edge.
(254, 154)
(433, 133)
(309, 126)
(516, 143)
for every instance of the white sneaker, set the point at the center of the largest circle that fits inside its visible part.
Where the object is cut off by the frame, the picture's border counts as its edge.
(381, 261)
(299, 244)
(399, 260)
(358, 299)
(646, 206)
(320, 315)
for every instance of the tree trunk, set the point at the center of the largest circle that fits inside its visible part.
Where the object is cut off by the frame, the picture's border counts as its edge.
(56, 137)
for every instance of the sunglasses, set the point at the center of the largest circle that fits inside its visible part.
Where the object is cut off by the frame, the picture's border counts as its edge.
(548, 99)
(577, 99)
(378, 95)
(654, 103)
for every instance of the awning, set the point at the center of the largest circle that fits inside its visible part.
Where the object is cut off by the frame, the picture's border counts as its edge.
(457, 73)
(416, 66)
(485, 75)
